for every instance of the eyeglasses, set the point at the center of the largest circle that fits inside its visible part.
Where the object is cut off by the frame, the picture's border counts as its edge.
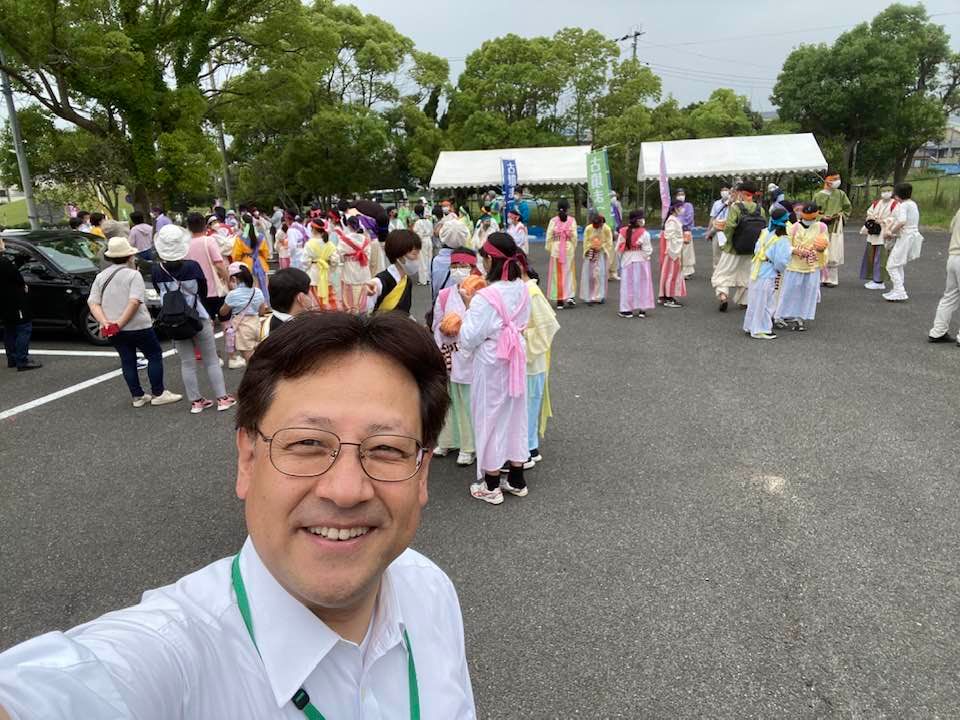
(308, 452)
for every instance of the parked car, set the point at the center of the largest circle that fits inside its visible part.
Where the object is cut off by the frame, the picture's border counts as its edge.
(59, 267)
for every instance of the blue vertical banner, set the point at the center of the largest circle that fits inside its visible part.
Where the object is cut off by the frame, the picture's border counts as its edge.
(509, 186)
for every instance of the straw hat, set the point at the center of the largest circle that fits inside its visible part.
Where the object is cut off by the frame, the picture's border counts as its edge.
(119, 247)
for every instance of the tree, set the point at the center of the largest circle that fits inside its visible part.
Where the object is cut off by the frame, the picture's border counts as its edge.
(130, 73)
(725, 113)
(885, 86)
(582, 59)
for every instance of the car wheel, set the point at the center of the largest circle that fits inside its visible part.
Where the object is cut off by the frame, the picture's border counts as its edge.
(89, 328)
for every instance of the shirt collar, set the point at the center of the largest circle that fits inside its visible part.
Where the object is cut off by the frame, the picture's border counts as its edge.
(282, 316)
(292, 640)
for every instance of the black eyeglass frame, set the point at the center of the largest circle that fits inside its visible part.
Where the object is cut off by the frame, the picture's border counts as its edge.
(336, 455)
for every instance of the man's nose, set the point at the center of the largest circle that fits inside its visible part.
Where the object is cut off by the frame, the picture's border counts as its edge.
(345, 484)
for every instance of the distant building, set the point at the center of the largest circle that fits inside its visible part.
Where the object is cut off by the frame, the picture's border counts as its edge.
(945, 151)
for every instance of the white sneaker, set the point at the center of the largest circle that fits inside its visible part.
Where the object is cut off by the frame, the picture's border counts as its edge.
(505, 486)
(236, 362)
(763, 336)
(142, 364)
(166, 397)
(480, 492)
(894, 296)
(530, 464)
(221, 361)
(875, 286)
(142, 400)
(440, 452)
(464, 458)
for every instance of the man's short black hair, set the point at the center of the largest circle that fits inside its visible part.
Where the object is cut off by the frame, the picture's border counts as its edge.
(285, 285)
(904, 191)
(196, 223)
(96, 218)
(136, 217)
(83, 214)
(400, 242)
(311, 341)
(76, 222)
(221, 213)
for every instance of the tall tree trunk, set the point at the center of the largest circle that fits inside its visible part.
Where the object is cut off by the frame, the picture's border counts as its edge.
(903, 164)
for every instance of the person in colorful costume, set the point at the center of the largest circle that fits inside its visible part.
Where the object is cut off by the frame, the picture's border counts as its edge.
(250, 248)
(354, 247)
(636, 280)
(876, 228)
(597, 246)
(800, 288)
(322, 259)
(448, 313)
(718, 221)
(950, 302)
(517, 230)
(492, 334)
(392, 288)
(453, 236)
(733, 267)
(423, 227)
(906, 229)
(835, 208)
(688, 257)
(773, 252)
(672, 240)
(486, 226)
(616, 222)
(539, 333)
(561, 244)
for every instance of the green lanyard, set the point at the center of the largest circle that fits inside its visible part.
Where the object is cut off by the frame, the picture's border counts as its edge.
(300, 698)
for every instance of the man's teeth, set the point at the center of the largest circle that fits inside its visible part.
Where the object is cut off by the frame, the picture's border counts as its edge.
(339, 533)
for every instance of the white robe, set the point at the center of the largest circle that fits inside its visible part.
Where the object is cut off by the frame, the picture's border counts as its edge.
(499, 421)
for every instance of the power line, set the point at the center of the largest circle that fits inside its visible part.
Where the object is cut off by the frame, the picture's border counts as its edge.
(708, 73)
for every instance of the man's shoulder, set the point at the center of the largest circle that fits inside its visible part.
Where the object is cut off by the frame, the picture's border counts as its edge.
(419, 573)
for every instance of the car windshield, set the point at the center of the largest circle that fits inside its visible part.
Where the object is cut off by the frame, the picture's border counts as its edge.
(72, 254)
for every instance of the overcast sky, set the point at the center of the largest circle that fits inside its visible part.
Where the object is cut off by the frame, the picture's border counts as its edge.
(711, 44)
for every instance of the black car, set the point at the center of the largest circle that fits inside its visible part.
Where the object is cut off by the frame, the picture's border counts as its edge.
(59, 267)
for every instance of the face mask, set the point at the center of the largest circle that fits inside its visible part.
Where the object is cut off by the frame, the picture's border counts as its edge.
(446, 210)
(805, 222)
(835, 184)
(458, 275)
(724, 194)
(886, 195)
(411, 267)
(681, 198)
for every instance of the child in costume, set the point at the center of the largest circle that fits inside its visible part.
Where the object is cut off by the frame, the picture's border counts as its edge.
(800, 288)
(541, 327)
(322, 259)
(242, 307)
(448, 315)
(561, 243)
(392, 289)
(770, 258)
(597, 244)
(672, 283)
(492, 333)
(636, 281)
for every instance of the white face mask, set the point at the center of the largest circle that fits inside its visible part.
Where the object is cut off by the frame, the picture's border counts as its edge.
(724, 194)
(411, 266)
(835, 184)
(886, 194)
(458, 275)
(681, 198)
(446, 210)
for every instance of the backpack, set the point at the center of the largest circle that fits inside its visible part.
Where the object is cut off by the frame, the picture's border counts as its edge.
(748, 230)
(177, 319)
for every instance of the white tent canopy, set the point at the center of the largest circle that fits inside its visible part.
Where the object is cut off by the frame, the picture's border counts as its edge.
(731, 156)
(535, 166)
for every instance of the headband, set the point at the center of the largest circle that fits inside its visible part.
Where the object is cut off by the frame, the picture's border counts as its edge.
(464, 258)
(782, 222)
(809, 216)
(493, 251)
(318, 223)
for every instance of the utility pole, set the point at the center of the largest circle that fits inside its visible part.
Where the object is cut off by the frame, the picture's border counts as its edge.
(634, 36)
(221, 141)
(25, 180)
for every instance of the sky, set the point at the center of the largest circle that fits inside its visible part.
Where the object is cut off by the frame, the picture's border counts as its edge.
(694, 46)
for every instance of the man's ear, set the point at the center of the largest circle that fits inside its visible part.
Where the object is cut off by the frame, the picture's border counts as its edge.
(246, 443)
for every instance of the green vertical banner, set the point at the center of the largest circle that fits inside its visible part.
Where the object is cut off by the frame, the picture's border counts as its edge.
(598, 182)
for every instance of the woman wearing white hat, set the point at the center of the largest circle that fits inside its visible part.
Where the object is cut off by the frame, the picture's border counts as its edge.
(175, 272)
(117, 301)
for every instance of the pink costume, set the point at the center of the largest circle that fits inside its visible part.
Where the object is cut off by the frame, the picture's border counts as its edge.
(636, 280)
(492, 333)
(672, 283)
(561, 244)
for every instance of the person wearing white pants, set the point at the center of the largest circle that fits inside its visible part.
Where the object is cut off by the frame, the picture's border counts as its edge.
(950, 302)
(906, 228)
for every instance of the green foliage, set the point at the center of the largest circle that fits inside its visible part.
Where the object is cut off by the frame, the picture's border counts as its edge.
(724, 113)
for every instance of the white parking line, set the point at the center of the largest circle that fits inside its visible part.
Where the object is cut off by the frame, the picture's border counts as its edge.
(71, 353)
(71, 389)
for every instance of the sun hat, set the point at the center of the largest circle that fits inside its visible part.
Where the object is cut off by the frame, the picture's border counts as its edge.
(118, 247)
(172, 243)
(235, 268)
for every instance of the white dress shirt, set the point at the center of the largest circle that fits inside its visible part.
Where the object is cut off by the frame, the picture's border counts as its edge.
(184, 652)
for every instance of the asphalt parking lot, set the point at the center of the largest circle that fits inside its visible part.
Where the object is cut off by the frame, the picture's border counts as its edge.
(720, 528)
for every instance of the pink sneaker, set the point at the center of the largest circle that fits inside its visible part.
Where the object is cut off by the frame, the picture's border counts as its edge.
(480, 492)
(198, 406)
(225, 403)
